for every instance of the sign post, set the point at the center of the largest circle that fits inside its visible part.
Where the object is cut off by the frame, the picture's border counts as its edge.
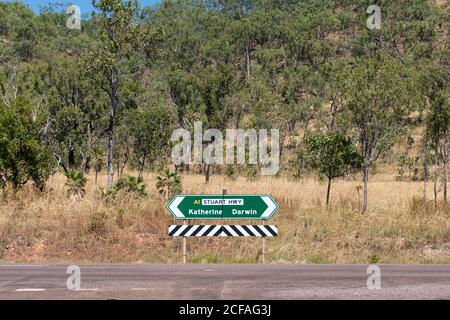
(184, 246)
(223, 207)
(263, 260)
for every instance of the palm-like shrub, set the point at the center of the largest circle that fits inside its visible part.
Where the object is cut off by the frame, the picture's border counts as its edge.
(169, 184)
(98, 161)
(75, 183)
(132, 185)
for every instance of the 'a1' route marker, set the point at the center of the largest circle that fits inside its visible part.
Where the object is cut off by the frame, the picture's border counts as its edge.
(216, 207)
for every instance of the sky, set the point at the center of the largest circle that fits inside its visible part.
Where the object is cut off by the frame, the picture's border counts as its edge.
(85, 5)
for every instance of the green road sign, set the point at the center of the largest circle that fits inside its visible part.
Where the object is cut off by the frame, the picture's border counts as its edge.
(238, 207)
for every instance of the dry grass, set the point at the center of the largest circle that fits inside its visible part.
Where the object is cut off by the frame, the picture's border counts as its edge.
(399, 228)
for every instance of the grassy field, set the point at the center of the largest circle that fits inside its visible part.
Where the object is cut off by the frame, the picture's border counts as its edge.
(400, 227)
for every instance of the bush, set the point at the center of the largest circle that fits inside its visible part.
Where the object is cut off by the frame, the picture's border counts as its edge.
(169, 184)
(127, 184)
(23, 157)
(230, 172)
(97, 161)
(76, 182)
(374, 258)
(98, 223)
(131, 185)
(409, 163)
(251, 173)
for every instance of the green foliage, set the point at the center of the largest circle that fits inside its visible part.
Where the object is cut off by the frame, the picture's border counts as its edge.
(122, 41)
(230, 172)
(374, 258)
(408, 163)
(330, 154)
(150, 130)
(76, 182)
(22, 155)
(382, 92)
(98, 159)
(131, 185)
(127, 185)
(169, 184)
(251, 173)
(215, 86)
(438, 122)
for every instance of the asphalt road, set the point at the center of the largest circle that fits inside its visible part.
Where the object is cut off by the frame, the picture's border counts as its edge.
(228, 282)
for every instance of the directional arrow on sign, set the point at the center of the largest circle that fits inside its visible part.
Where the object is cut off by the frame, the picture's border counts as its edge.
(272, 207)
(173, 207)
(216, 207)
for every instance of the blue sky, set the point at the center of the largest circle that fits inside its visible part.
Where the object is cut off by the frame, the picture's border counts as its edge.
(85, 5)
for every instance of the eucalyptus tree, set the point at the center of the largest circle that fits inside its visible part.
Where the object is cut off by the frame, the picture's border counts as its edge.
(242, 27)
(75, 109)
(438, 131)
(330, 154)
(149, 128)
(436, 85)
(121, 38)
(23, 156)
(380, 94)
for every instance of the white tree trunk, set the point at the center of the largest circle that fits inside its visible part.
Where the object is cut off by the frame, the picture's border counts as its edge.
(366, 187)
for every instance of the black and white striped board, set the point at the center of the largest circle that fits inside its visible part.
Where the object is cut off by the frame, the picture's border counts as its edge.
(262, 231)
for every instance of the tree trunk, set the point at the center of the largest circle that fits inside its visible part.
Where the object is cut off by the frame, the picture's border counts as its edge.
(181, 112)
(87, 165)
(207, 172)
(425, 189)
(141, 169)
(96, 175)
(359, 198)
(425, 177)
(71, 156)
(366, 182)
(87, 162)
(328, 191)
(60, 162)
(248, 60)
(435, 183)
(110, 157)
(110, 151)
(333, 110)
(445, 179)
(121, 169)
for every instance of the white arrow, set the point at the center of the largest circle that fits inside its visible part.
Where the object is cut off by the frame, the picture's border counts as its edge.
(173, 207)
(271, 207)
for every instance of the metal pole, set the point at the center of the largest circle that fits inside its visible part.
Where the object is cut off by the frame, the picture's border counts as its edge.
(264, 223)
(224, 193)
(263, 260)
(184, 246)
